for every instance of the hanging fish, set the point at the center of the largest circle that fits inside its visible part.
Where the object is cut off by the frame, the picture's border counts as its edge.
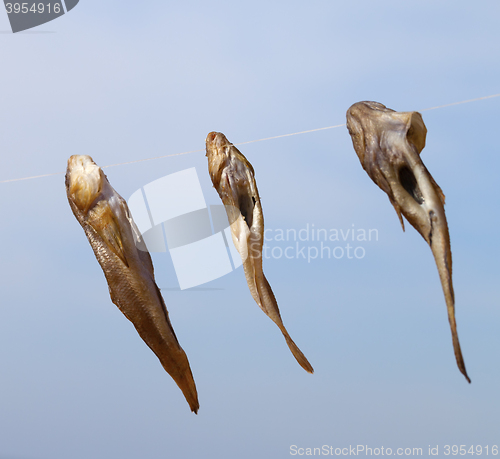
(112, 233)
(388, 144)
(233, 178)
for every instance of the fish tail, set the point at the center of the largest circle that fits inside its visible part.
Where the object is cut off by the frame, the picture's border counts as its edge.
(270, 307)
(183, 377)
(440, 245)
(297, 353)
(188, 388)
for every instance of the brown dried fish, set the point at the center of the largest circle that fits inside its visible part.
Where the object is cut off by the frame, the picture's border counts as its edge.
(233, 178)
(106, 220)
(388, 144)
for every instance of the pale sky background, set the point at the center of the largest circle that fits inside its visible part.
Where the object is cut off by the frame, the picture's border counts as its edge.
(123, 80)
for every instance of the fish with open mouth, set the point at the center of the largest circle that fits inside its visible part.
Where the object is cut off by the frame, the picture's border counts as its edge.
(388, 145)
(233, 178)
(113, 235)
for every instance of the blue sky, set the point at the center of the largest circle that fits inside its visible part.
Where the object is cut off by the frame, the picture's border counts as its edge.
(123, 81)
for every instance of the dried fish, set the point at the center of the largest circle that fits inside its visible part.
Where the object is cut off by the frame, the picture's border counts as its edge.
(388, 144)
(233, 178)
(112, 233)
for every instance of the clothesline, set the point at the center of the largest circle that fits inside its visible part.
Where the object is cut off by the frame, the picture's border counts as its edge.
(247, 142)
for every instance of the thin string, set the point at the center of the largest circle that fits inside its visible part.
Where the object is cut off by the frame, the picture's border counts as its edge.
(245, 143)
(151, 159)
(459, 103)
(288, 135)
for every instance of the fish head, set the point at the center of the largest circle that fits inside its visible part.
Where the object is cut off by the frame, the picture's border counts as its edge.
(221, 153)
(232, 176)
(370, 123)
(85, 181)
(217, 154)
(214, 142)
(356, 120)
(388, 145)
(96, 204)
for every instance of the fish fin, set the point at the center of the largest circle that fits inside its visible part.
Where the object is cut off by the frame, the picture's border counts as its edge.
(384, 184)
(398, 211)
(240, 234)
(139, 242)
(107, 227)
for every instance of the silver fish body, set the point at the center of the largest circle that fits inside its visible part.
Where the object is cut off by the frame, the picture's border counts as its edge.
(233, 178)
(112, 233)
(388, 145)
